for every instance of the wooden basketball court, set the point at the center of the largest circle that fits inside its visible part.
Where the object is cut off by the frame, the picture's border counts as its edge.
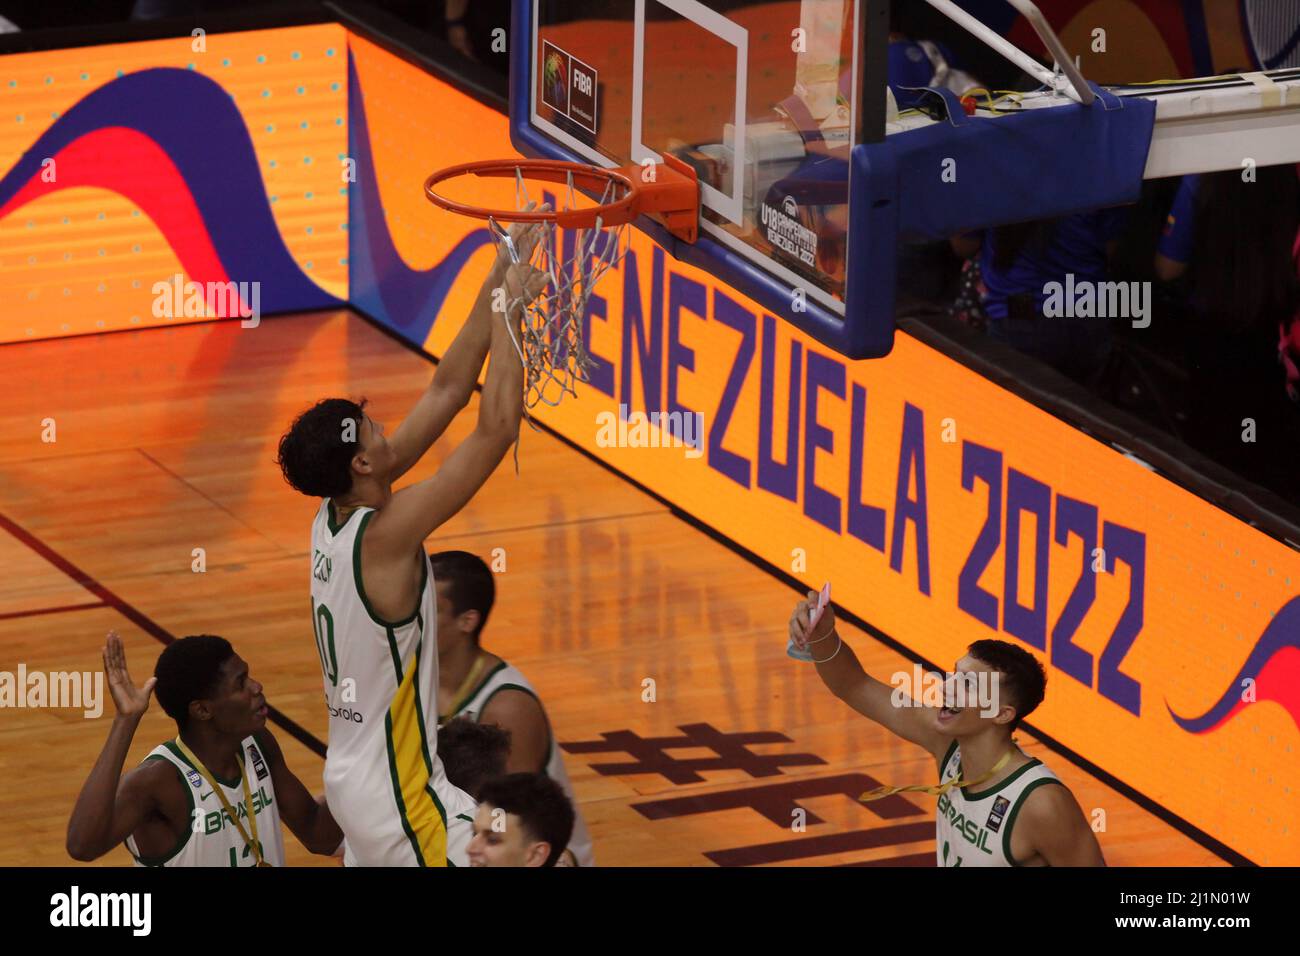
(165, 442)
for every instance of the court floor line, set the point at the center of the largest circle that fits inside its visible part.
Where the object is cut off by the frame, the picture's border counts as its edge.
(138, 618)
(61, 609)
(567, 523)
(216, 504)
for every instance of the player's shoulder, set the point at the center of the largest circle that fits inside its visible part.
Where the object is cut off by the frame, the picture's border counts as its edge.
(158, 779)
(1047, 800)
(325, 516)
(514, 698)
(509, 693)
(500, 672)
(1051, 822)
(384, 528)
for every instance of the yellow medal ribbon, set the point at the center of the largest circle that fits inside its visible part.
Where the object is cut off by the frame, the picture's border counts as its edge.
(467, 686)
(253, 845)
(881, 792)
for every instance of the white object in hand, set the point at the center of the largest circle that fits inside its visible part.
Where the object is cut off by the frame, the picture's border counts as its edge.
(823, 599)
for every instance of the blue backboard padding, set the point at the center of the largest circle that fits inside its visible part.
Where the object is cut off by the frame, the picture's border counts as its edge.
(1038, 164)
(1035, 165)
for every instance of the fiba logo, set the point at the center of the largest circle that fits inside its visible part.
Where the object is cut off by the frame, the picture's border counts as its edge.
(790, 207)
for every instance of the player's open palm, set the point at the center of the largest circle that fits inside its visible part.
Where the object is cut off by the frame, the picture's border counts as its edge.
(131, 701)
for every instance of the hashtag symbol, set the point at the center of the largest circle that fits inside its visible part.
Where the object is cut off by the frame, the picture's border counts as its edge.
(651, 753)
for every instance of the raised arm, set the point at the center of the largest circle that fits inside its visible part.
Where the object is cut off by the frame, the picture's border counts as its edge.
(309, 819)
(844, 677)
(457, 373)
(110, 807)
(417, 511)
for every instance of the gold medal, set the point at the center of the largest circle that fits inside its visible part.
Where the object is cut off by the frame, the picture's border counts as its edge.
(254, 845)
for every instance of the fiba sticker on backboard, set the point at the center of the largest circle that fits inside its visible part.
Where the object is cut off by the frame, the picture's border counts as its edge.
(784, 230)
(582, 95)
(569, 86)
(555, 78)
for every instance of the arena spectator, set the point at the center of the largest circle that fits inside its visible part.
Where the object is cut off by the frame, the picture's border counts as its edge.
(917, 63)
(1018, 266)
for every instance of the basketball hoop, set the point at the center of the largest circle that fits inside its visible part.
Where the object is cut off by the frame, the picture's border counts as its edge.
(550, 343)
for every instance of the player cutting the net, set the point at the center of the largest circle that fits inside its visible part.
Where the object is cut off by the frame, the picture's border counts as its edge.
(374, 607)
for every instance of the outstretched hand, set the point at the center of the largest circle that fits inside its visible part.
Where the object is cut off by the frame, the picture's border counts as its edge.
(524, 237)
(521, 281)
(523, 284)
(131, 701)
(800, 631)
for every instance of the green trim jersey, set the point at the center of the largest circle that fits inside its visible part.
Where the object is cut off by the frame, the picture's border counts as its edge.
(212, 838)
(507, 677)
(974, 828)
(383, 780)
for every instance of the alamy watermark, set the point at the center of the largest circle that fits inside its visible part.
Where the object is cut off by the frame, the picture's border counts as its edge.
(656, 430)
(919, 688)
(74, 908)
(175, 298)
(82, 690)
(1085, 299)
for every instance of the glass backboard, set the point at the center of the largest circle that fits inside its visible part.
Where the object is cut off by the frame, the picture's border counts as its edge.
(764, 99)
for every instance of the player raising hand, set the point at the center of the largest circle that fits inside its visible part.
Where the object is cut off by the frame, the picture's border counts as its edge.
(215, 794)
(997, 805)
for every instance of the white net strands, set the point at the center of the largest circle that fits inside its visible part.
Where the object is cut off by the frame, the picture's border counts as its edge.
(548, 338)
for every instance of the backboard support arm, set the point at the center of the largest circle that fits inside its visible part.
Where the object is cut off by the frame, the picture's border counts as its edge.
(1077, 87)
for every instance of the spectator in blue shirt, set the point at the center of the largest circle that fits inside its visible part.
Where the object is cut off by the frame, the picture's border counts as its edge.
(914, 64)
(1020, 264)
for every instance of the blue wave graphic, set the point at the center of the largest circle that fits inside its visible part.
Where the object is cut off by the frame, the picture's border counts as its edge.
(192, 119)
(379, 282)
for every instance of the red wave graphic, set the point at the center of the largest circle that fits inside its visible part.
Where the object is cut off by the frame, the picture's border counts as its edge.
(1279, 682)
(130, 163)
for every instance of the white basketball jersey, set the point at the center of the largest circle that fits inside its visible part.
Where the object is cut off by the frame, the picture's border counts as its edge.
(383, 780)
(212, 838)
(974, 827)
(506, 677)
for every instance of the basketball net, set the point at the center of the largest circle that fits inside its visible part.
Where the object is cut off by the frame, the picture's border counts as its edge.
(549, 336)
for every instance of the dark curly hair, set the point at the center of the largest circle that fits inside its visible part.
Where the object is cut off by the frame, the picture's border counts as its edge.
(540, 804)
(188, 670)
(1021, 675)
(314, 456)
(472, 753)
